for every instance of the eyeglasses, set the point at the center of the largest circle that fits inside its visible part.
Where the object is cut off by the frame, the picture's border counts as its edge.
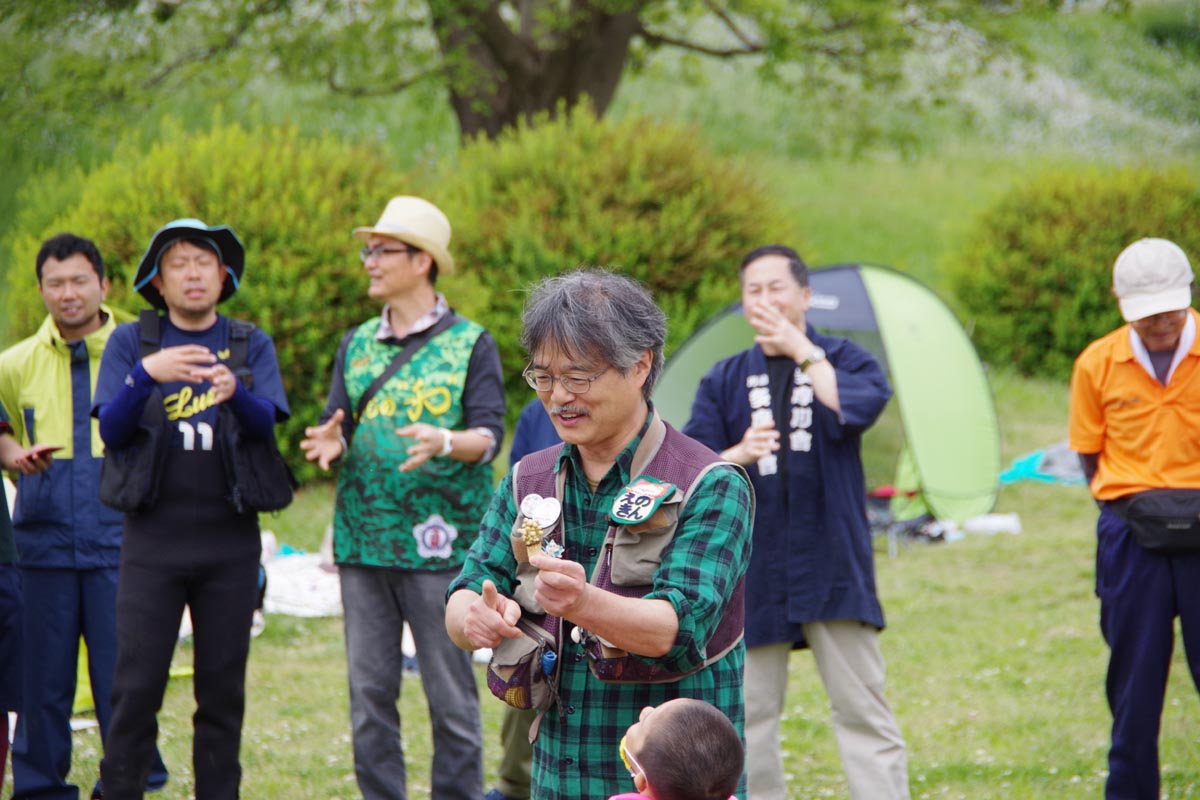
(544, 381)
(382, 250)
(631, 763)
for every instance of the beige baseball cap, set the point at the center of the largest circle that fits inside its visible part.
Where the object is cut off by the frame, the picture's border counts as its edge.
(1151, 276)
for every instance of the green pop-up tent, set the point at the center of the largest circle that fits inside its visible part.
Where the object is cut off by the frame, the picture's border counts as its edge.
(949, 421)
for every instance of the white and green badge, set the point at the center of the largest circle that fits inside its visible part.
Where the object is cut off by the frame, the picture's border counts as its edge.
(638, 501)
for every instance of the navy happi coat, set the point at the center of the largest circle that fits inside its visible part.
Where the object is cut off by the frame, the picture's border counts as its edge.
(812, 558)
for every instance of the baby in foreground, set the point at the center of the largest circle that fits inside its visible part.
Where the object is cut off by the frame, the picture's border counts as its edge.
(684, 749)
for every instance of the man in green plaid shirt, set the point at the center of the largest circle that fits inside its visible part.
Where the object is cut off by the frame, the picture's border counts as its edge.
(595, 341)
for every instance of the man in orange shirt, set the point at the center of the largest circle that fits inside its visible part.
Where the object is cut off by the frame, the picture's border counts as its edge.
(1135, 422)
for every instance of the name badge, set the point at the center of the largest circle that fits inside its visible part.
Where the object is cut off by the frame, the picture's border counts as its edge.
(638, 501)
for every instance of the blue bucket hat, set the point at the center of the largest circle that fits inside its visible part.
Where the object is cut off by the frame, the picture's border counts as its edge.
(220, 237)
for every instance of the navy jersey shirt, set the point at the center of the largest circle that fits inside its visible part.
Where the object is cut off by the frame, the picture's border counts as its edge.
(189, 407)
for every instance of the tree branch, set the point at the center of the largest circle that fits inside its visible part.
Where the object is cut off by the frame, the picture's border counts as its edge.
(378, 91)
(516, 52)
(748, 47)
(730, 23)
(228, 43)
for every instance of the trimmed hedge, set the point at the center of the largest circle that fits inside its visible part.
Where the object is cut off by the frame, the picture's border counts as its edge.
(640, 197)
(1035, 276)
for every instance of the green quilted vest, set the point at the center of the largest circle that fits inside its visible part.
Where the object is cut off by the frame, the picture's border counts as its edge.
(426, 518)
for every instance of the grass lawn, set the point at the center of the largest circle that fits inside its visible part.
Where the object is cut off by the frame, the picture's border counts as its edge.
(996, 666)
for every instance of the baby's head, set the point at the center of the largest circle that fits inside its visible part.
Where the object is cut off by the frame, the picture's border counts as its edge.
(684, 749)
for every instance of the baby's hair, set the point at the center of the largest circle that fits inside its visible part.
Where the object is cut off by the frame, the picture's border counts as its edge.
(697, 756)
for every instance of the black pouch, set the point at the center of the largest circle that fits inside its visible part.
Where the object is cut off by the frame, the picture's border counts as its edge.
(129, 476)
(259, 479)
(1163, 520)
(518, 674)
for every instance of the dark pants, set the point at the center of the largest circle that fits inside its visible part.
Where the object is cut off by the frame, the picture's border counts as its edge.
(1141, 592)
(60, 606)
(150, 604)
(10, 654)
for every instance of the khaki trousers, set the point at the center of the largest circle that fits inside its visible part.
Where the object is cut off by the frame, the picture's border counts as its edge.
(516, 757)
(852, 671)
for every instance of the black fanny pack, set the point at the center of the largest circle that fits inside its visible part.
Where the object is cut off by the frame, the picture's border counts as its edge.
(1164, 520)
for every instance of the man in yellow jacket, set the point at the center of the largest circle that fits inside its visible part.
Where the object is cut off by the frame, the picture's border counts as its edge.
(68, 542)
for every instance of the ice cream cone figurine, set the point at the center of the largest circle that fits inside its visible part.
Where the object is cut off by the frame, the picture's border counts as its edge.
(532, 536)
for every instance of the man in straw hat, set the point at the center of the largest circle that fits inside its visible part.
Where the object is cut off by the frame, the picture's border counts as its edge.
(1135, 410)
(187, 543)
(416, 408)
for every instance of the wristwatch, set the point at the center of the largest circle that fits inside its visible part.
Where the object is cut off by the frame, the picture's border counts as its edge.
(814, 355)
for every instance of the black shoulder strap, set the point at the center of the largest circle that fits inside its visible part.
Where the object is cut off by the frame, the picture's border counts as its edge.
(403, 357)
(239, 349)
(150, 341)
(150, 336)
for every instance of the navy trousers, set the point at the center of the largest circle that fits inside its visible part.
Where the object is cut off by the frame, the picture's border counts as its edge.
(1141, 592)
(60, 605)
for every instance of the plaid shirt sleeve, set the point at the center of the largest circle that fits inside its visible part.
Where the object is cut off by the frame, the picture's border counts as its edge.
(491, 556)
(704, 563)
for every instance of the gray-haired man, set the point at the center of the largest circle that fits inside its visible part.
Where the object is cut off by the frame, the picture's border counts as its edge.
(665, 521)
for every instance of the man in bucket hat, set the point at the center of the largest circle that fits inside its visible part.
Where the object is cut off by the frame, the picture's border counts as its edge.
(187, 543)
(416, 408)
(1135, 410)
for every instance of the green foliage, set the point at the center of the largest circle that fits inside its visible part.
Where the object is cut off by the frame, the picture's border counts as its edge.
(293, 202)
(646, 199)
(1173, 25)
(1035, 276)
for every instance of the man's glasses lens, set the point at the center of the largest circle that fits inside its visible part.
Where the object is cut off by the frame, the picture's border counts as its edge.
(381, 250)
(575, 384)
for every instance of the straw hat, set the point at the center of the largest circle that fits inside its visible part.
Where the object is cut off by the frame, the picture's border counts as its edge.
(417, 222)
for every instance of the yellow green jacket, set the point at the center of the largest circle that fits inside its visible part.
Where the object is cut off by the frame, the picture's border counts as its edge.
(46, 387)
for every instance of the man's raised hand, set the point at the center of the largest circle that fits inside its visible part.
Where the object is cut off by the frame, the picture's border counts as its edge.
(323, 443)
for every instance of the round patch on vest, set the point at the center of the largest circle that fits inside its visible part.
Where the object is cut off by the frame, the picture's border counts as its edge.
(435, 537)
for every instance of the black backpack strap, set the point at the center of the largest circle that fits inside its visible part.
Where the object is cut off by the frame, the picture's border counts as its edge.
(150, 332)
(239, 350)
(150, 341)
(415, 343)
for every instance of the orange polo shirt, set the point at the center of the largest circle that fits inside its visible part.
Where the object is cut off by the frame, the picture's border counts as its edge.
(1147, 434)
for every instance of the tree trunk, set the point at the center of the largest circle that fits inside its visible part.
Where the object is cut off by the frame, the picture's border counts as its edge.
(497, 76)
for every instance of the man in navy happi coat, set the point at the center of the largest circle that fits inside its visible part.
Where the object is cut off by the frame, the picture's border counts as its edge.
(792, 410)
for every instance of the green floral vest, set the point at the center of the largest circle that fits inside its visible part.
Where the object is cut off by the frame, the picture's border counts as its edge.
(426, 518)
